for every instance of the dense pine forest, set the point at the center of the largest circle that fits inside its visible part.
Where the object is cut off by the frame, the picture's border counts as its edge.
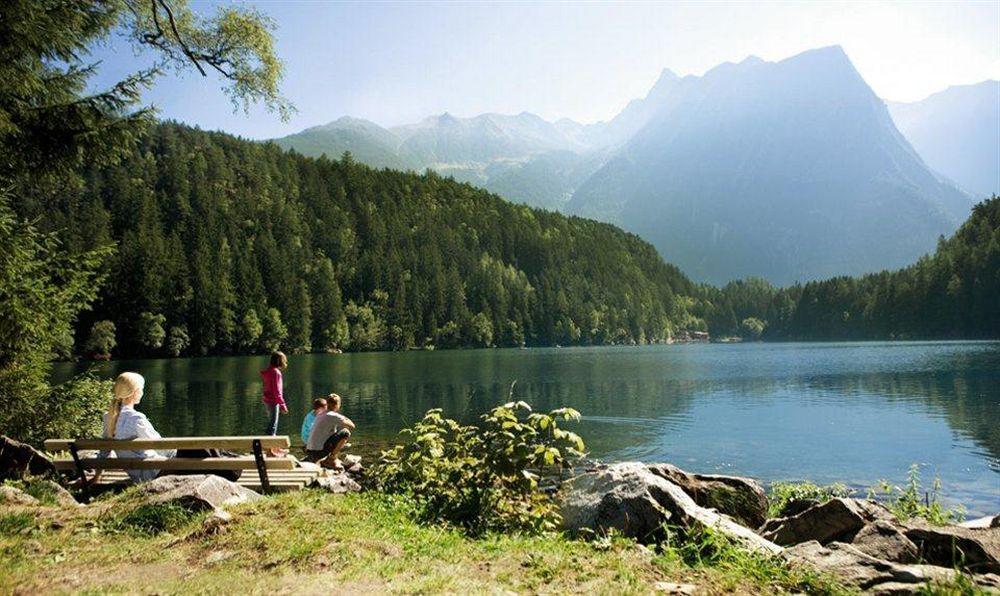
(231, 246)
(952, 294)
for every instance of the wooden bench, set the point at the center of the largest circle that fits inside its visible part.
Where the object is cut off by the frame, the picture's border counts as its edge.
(273, 473)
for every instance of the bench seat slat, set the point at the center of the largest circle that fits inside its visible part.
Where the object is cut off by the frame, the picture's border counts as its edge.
(294, 474)
(244, 443)
(175, 463)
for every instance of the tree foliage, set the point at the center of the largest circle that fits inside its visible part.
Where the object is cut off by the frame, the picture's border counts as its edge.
(42, 291)
(50, 123)
(52, 126)
(334, 255)
(954, 293)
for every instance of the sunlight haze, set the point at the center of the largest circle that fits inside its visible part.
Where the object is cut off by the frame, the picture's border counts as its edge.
(396, 63)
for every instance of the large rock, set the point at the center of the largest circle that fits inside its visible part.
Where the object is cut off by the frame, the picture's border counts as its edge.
(198, 492)
(15, 496)
(990, 521)
(337, 483)
(20, 459)
(885, 541)
(856, 569)
(977, 550)
(836, 519)
(631, 499)
(742, 499)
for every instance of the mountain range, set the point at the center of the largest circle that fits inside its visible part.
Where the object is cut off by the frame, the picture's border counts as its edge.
(791, 170)
(957, 132)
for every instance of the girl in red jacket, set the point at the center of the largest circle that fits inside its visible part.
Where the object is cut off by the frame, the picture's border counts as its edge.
(274, 399)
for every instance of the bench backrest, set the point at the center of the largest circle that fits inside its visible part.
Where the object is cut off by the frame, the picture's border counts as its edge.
(229, 443)
(173, 463)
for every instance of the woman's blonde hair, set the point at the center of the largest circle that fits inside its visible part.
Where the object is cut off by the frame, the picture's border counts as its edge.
(126, 386)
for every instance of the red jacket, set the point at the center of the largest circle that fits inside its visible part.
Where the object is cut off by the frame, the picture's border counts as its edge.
(273, 394)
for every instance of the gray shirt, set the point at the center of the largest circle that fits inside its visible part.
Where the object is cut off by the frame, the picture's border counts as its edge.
(133, 424)
(324, 427)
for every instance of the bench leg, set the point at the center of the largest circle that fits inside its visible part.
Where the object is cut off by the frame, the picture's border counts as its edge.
(84, 485)
(258, 456)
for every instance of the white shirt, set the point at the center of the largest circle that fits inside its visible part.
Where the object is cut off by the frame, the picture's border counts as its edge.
(323, 428)
(133, 424)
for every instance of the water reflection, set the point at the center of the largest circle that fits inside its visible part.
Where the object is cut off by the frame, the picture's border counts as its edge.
(851, 412)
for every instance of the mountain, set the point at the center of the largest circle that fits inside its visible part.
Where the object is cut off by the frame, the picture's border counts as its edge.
(957, 132)
(523, 157)
(790, 171)
(368, 142)
(241, 246)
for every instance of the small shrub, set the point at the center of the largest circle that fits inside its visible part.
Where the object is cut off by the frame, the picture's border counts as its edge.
(12, 524)
(485, 477)
(148, 518)
(911, 501)
(782, 493)
(69, 409)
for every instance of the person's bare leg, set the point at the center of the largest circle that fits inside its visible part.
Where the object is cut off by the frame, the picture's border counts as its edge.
(330, 461)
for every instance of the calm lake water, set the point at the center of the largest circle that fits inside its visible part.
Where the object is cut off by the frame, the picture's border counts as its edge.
(849, 412)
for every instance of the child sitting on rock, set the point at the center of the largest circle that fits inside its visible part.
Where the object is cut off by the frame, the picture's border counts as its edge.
(318, 409)
(330, 432)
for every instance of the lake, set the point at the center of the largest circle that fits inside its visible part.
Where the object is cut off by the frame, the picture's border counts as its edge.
(848, 412)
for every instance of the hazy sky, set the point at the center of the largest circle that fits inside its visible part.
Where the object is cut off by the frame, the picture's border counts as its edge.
(396, 62)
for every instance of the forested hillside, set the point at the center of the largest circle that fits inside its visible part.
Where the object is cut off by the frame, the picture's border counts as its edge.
(954, 293)
(225, 245)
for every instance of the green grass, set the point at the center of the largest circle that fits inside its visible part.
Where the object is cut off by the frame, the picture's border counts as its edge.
(312, 541)
(14, 523)
(781, 493)
(39, 488)
(150, 518)
(913, 501)
(735, 566)
(962, 585)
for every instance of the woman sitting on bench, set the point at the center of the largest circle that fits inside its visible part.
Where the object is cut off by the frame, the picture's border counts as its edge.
(123, 421)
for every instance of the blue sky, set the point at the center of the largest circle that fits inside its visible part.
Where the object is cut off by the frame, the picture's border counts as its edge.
(396, 62)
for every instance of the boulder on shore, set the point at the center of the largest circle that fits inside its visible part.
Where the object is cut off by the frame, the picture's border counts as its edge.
(837, 519)
(990, 521)
(742, 499)
(19, 459)
(638, 503)
(885, 541)
(856, 569)
(976, 550)
(197, 492)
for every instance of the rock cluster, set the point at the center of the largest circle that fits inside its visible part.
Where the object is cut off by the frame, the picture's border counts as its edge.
(858, 541)
(20, 459)
(197, 492)
(343, 481)
(638, 501)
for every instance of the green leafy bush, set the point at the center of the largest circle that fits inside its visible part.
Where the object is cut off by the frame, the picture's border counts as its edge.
(483, 478)
(912, 501)
(782, 493)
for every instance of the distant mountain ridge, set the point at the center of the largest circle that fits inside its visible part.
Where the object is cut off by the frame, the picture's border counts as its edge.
(791, 170)
(523, 155)
(957, 132)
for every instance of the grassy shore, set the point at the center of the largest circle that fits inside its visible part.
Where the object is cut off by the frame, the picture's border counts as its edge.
(312, 541)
